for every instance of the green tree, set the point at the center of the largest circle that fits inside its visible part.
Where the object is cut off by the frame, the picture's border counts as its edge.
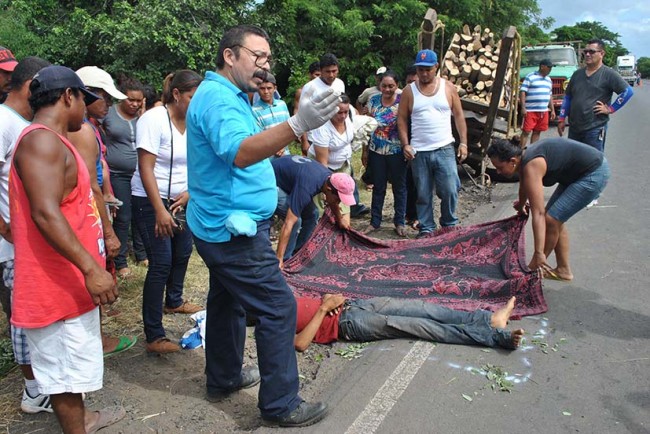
(143, 38)
(643, 66)
(586, 30)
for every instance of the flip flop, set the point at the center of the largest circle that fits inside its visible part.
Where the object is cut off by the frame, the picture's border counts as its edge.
(107, 416)
(124, 344)
(552, 275)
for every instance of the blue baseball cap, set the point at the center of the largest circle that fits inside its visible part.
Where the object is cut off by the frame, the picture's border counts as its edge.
(60, 77)
(426, 58)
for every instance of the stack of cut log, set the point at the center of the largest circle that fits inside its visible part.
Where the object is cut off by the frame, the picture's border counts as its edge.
(471, 64)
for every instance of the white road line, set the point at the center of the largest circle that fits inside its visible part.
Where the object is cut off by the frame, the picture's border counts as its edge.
(388, 394)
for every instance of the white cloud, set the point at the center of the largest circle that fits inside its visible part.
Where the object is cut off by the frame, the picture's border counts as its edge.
(630, 19)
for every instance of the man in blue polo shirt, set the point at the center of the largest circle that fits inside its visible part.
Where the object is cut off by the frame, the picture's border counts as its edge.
(233, 195)
(299, 179)
(536, 103)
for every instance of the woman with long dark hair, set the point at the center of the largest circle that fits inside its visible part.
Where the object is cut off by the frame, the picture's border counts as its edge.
(159, 189)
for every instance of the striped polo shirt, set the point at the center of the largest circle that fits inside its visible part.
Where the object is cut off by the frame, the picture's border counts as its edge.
(538, 91)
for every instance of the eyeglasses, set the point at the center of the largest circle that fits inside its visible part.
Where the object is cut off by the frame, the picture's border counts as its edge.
(591, 52)
(260, 59)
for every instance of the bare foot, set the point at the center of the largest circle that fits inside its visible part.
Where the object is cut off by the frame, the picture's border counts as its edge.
(517, 336)
(500, 318)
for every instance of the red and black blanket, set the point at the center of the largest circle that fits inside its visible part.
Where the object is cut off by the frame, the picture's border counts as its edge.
(464, 267)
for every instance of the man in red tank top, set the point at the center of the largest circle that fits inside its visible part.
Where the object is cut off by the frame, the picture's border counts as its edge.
(59, 252)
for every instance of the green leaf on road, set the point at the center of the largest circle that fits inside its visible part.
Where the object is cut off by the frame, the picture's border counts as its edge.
(566, 413)
(468, 398)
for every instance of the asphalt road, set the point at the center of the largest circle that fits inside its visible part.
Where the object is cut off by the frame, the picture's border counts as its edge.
(588, 370)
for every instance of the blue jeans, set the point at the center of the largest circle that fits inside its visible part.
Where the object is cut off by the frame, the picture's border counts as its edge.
(392, 318)
(168, 259)
(436, 169)
(245, 277)
(594, 137)
(568, 200)
(124, 219)
(303, 228)
(385, 168)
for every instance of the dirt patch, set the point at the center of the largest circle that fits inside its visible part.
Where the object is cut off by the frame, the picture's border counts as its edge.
(165, 394)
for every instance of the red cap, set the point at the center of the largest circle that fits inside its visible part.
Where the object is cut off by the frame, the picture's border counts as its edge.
(7, 60)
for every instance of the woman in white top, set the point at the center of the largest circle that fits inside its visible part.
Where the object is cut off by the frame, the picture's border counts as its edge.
(332, 147)
(159, 198)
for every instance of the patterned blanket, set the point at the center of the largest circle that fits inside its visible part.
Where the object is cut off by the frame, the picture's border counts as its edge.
(464, 267)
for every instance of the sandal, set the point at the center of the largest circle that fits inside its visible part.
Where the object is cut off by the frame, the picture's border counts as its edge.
(124, 344)
(369, 230)
(401, 230)
(107, 416)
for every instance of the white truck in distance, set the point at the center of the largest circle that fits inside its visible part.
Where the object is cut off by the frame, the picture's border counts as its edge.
(626, 66)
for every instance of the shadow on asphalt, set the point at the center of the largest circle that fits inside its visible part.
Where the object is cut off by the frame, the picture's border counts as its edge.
(581, 311)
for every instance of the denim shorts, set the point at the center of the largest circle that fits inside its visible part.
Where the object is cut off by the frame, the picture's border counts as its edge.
(567, 200)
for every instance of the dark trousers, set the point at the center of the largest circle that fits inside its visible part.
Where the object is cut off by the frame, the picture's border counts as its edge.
(387, 168)
(245, 278)
(121, 183)
(168, 259)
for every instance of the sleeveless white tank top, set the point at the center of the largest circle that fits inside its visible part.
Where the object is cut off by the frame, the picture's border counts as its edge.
(431, 119)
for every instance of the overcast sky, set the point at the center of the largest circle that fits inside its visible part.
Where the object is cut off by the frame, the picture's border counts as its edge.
(628, 18)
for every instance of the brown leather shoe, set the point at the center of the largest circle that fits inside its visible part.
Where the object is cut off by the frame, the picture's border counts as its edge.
(162, 346)
(186, 308)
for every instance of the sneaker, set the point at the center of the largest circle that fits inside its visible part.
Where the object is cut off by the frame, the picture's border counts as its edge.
(592, 203)
(37, 404)
(162, 346)
(185, 308)
(359, 210)
(422, 235)
(250, 377)
(306, 414)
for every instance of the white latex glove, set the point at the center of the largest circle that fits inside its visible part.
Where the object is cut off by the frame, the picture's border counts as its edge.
(314, 110)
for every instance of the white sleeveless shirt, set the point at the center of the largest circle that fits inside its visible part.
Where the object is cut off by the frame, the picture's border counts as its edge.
(431, 119)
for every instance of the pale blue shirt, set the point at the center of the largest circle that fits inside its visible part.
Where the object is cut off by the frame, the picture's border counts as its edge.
(219, 118)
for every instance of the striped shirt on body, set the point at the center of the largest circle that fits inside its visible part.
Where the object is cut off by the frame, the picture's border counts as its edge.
(538, 90)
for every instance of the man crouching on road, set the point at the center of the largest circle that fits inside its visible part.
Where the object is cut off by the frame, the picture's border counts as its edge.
(299, 179)
(60, 275)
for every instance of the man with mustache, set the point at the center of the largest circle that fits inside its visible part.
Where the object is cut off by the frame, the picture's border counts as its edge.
(233, 195)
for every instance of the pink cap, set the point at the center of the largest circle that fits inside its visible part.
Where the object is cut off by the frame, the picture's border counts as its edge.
(344, 185)
(7, 60)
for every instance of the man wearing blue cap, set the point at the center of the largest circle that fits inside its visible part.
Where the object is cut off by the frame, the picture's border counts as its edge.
(427, 106)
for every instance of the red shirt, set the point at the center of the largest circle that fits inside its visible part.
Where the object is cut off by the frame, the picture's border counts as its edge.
(48, 287)
(329, 329)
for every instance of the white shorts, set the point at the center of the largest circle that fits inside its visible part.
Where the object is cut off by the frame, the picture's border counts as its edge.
(67, 356)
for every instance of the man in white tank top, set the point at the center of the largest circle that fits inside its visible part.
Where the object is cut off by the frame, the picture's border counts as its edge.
(426, 107)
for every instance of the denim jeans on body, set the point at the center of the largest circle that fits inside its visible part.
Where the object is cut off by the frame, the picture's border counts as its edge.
(124, 220)
(388, 168)
(594, 137)
(245, 278)
(303, 228)
(568, 200)
(168, 259)
(436, 170)
(392, 318)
